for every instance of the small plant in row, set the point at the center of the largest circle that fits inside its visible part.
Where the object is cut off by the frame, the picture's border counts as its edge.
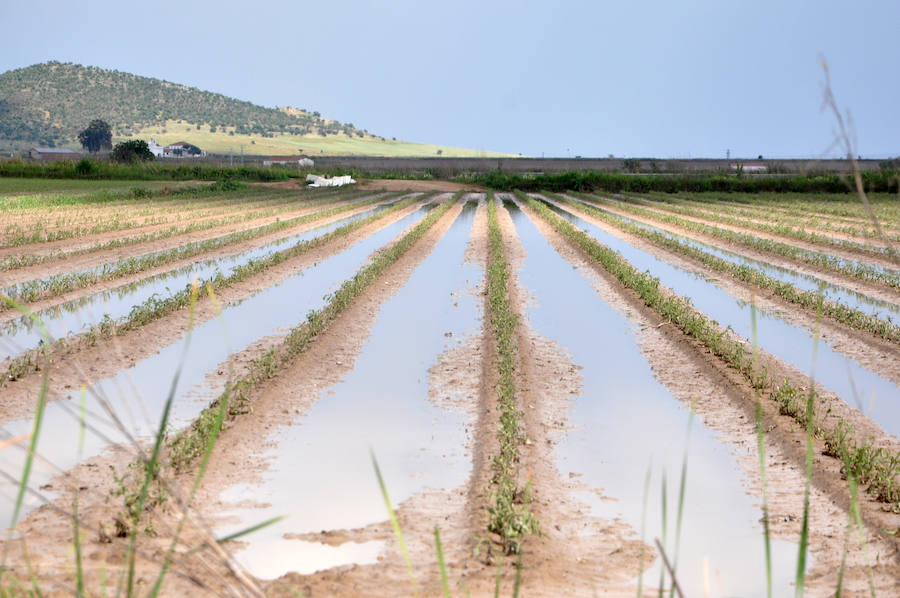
(156, 306)
(826, 262)
(806, 299)
(102, 222)
(25, 260)
(878, 466)
(509, 512)
(57, 285)
(798, 220)
(782, 230)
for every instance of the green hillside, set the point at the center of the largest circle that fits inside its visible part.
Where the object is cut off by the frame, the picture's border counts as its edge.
(48, 104)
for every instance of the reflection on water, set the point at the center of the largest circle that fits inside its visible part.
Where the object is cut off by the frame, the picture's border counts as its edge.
(81, 314)
(320, 474)
(860, 387)
(626, 421)
(137, 394)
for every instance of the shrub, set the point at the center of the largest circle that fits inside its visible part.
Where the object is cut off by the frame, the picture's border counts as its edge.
(135, 150)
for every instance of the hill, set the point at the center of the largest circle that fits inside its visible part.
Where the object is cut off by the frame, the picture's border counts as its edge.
(48, 104)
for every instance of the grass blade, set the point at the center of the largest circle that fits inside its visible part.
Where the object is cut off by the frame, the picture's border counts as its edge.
(640, 590)
(153, 462)
(445, 586)
(38, 419)
(398, 533)
(681, 489)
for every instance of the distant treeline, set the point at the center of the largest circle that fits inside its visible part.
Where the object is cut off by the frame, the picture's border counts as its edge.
(881, 182)
(147, 171)
(885, 181)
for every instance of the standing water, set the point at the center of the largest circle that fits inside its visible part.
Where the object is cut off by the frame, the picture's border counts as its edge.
(137, 395)
(870, 393)
(320, 474)
(78, 315)
(625, 422)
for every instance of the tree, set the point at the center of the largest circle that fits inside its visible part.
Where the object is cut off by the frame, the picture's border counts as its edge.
(132, 151)
(96, 136)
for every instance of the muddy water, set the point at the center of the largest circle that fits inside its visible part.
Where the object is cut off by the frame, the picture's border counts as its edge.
(884, 310)
(625, 422)
(79, 315)
(137, 395)
(320, 474)
(860, 387)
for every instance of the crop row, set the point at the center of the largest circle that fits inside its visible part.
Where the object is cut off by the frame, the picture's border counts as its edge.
(780, 229)
(875, 467)
(104, 221)
(29, 259)
(236, 399)
(156, 307)
(821, 260)
(808, 300)
(56, 285)
(509, 511)
(842, 205)
(175, 207)
(803, 219)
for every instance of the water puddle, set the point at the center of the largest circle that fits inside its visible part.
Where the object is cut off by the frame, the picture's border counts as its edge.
(625, 421)
(320, 474)
(884, 310)
(861, 388)
(137, 395)
(76, 316)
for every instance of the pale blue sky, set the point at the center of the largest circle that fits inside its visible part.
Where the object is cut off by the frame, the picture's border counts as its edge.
(650, 78)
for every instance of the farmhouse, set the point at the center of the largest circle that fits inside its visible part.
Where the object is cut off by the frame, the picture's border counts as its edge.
(749, 167)
(182, 149)
(299, 161)
(155, 148)
(53, 153)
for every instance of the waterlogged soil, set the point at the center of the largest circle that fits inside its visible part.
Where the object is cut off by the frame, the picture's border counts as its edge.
(579, 552)
(883, 262)
(871, 288)
(96, 291)
(95, 259)
(760, 215)
(725, 405)
(877, 357)
(104, 358)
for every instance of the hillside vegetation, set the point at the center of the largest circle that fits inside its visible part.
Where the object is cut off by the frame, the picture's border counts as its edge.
(48, 104)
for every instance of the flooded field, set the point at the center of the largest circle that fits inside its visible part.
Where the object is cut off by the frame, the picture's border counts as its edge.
(346, 392)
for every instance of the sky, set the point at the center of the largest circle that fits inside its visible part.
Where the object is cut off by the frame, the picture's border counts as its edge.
(655, 78)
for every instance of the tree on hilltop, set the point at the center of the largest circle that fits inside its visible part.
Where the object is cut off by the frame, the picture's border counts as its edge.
(96, 136)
